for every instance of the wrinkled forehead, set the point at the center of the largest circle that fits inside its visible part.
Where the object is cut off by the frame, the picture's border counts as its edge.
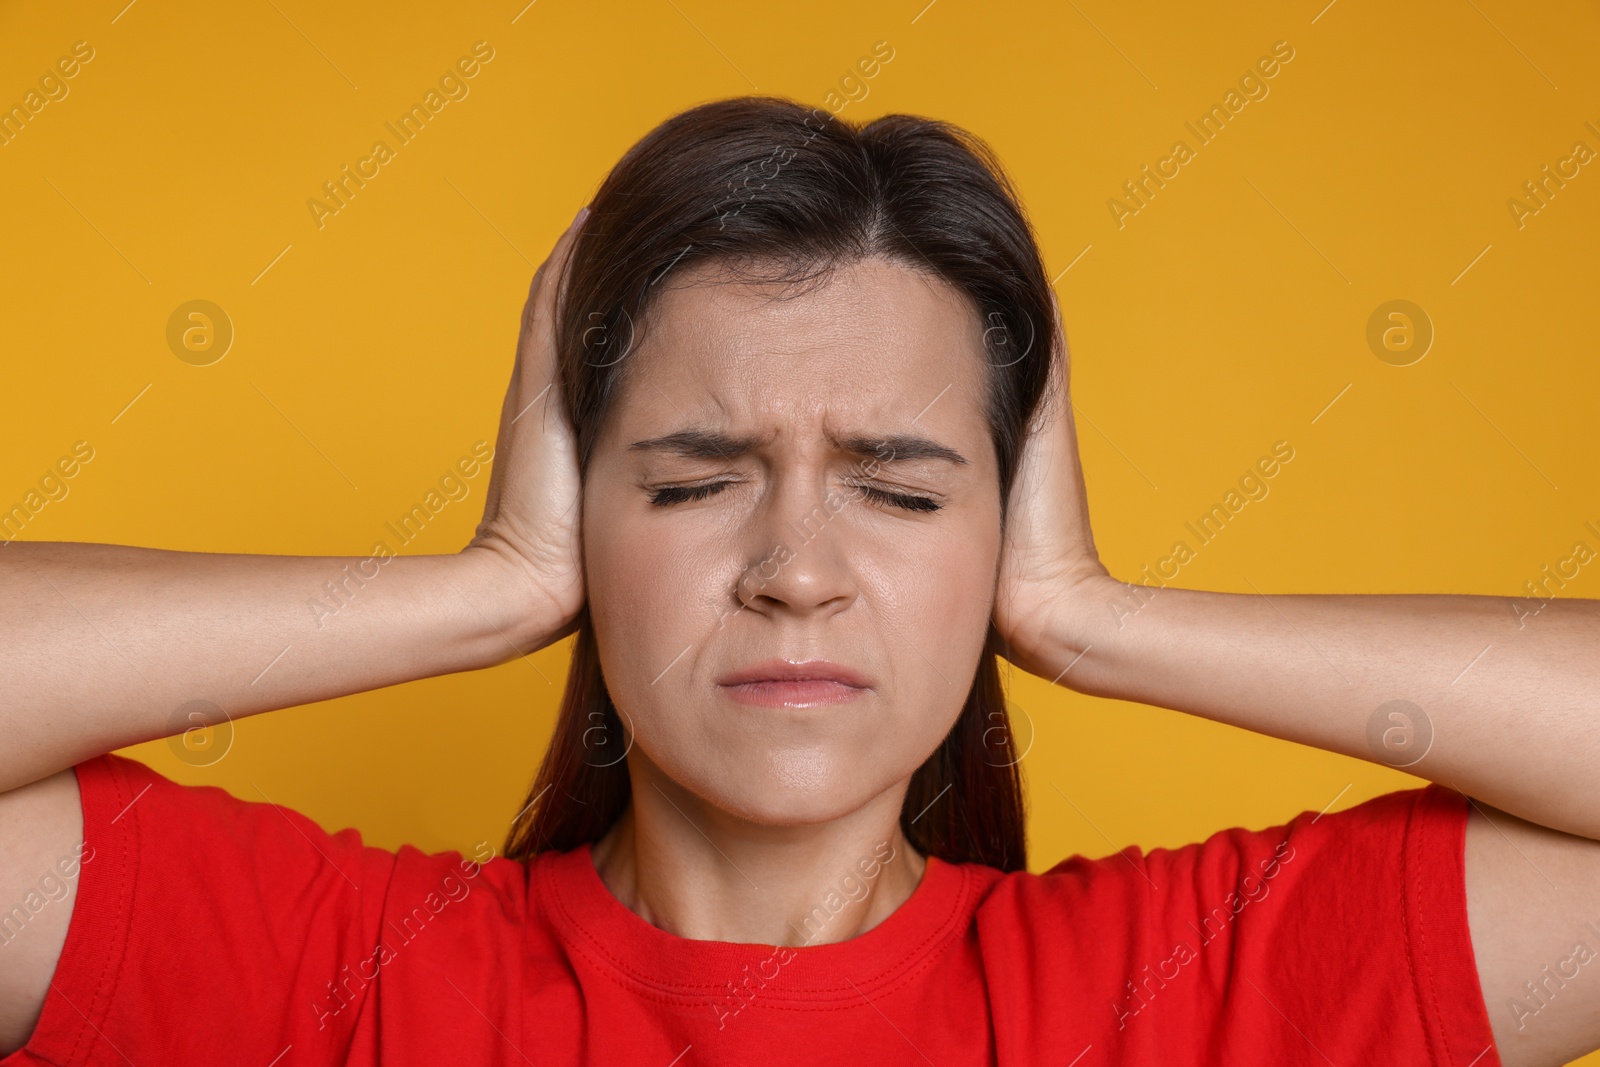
(870, 344)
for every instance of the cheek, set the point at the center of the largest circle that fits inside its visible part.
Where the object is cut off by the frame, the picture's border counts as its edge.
(933, 590)
(647, 592)
(661, 602)
(929, 602)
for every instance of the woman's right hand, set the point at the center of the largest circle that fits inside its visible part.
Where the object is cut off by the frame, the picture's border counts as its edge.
(531, 516)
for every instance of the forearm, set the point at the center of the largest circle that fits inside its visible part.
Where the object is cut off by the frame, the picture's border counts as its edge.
(1512, 700)
(104, 644)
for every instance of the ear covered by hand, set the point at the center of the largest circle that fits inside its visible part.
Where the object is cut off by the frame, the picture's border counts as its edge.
(531, 515)
(1050, 572)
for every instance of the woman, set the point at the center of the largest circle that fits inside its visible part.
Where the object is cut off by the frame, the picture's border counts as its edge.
(787, 446)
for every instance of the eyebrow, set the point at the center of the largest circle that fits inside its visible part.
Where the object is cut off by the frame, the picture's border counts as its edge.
(713, 444)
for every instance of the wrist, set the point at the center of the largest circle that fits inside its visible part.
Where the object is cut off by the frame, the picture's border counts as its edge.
(519, 613)
(1123, 632)
(1079, 622)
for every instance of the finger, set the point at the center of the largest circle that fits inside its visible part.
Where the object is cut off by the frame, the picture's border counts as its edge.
(1059, 462)
(1053, 406)
(556, 248)
(538, 343)
(531, 345)
(1059, 337)
(537, 339)
(542, 295)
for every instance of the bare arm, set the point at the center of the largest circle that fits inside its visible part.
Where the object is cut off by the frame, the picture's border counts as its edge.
(1495, 697)
(1533, 905)
(104, 646)
(1453, 688)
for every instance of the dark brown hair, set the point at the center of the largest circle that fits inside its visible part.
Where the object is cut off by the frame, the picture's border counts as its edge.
(768, 183)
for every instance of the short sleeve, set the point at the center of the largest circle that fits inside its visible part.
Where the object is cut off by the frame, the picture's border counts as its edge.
(1373, 939)
(1366, 954)
(204, 928)
(1338, 937)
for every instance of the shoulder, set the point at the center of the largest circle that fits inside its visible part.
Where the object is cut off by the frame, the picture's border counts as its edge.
(192, 873)
(202, 841)
(1370, 836)
(1248, 928)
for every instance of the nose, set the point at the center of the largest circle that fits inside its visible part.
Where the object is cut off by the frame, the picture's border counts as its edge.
(804, 563)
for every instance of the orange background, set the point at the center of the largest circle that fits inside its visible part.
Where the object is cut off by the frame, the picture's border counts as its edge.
(1229, 312)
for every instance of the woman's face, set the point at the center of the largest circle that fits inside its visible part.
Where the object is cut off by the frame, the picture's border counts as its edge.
(794, 478)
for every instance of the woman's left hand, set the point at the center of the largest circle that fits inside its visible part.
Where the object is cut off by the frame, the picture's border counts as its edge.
(1051, 576)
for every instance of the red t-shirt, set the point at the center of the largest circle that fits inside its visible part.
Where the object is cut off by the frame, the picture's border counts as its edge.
(212, 930)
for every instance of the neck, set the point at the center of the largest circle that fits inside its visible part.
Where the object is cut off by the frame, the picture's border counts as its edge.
(703, 874)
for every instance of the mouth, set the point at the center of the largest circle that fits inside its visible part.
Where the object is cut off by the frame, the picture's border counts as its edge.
(779, 683)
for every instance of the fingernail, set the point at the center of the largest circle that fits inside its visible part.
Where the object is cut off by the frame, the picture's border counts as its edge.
(577, 220)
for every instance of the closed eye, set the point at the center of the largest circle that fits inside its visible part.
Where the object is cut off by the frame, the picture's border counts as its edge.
(668, 495)
(900, 500)
(678, 494)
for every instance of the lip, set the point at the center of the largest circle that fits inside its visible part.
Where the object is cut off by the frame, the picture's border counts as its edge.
(784, 670)
(779, 683)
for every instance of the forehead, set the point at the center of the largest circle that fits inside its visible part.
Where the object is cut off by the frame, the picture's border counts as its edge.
(872, 344)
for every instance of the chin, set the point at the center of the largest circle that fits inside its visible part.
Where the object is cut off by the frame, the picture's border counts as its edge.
(777, 808)
(788, 786)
